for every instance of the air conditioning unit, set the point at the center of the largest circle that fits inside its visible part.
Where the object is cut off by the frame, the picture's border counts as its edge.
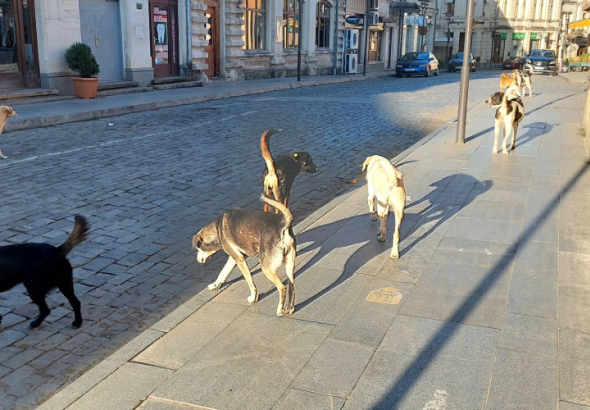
(351, 63)
(351, 39)
(373, 4)
(373, 18)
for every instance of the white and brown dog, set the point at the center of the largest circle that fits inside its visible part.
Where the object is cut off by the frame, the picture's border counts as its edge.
(5, 113)
(386, 188)
(524, 82)
(509, 114)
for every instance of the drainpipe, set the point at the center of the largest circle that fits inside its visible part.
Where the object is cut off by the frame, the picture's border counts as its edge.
(336, 39)
(189, 54)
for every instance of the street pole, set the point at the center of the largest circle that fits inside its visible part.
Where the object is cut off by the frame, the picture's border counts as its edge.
(464, 88)
(300, 2)
(366, 27)
(423, 24)
(448, 55)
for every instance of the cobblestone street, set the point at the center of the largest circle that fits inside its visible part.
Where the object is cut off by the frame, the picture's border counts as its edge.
(149, 181)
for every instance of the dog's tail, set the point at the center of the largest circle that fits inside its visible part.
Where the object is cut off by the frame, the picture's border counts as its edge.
(287, 215)
(78, 235)
(265, 148)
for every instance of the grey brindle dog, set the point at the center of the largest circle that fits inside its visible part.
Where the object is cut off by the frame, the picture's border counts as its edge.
(244, 233)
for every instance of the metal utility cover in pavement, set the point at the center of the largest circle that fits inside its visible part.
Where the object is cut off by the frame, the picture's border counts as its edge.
(386, 295)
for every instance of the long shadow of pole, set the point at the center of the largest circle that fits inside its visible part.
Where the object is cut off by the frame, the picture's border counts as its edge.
(425, 357)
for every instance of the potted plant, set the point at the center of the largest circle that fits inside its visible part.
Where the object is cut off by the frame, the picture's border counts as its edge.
(79, 58)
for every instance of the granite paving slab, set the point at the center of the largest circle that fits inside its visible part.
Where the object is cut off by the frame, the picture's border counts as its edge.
(574, 308)
(574, 367)
(529, 334)
(294, 399)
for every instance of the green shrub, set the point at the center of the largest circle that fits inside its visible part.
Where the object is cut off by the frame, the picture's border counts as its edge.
(79, 58)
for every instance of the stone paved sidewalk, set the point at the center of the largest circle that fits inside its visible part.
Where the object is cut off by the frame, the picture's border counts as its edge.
(488, 306)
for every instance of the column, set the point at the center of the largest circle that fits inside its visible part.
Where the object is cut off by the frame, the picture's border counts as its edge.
(198, 39)
(278, 61)
(234, 17)
(137, 58)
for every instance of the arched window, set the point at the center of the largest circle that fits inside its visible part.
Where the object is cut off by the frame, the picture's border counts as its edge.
(254, 25)
(290, 23)
(322, 25)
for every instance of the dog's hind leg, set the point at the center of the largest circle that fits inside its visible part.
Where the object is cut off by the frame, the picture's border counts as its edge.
(2, 155)
(67, 289)
(271, 274)
(515, 130)
(382, 211)
(398, 210)
(253, 298)
(371, 200)
(507, 132)
(229, 265)
(39, 299)
(290, 269)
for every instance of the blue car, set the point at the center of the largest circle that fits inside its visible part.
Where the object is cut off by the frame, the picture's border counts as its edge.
(456, 63)
(423, 63)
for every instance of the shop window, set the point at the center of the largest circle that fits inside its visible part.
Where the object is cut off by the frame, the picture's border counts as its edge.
(254, 25)
(290, 23)
(375, 46)
(322, 26)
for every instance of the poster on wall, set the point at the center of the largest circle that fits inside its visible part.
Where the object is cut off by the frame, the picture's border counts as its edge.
(161, 34)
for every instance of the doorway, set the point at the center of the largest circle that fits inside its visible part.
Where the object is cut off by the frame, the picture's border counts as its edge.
(164, 32)
(19, 65)
(212, 47)
(100, 25)
(498, 50)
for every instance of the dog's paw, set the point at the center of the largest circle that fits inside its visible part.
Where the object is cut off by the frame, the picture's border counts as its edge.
(35, 323)
(253, 298)
(289, 311)
(76, 324)
(504, 152)
(374, 217)
(214, 286)
(394, 255)
(280, 312)
(3, 157)
(381, 238)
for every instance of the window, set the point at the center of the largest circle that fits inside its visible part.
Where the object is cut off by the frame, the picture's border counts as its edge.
(254, 25)
(322, 26)
(290, 23)
(375, 46)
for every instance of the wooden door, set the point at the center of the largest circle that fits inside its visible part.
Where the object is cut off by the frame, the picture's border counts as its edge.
(164, 32)
(19, 62)
(212, 36)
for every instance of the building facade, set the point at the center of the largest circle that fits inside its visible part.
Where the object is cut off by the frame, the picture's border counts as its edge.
(143, 40)
(503, 29)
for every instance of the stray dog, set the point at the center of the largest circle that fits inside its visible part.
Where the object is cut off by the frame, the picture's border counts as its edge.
(524, 82)
(509, 114)
(242, 233)
(279, 175)
(386, 187)
(5, 113)
(507, 81)
(42, 267)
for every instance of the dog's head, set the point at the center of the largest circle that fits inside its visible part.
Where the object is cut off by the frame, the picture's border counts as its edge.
(6, 112)
(367, 162)
(495, 99)
(305, 161)
(206, 242)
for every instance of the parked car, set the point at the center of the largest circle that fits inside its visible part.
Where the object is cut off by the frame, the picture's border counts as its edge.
(542, 61)
(417, 63)
(456, 63)
(512, 64)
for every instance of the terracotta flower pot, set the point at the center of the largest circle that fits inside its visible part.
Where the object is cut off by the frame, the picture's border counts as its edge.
(85, 87)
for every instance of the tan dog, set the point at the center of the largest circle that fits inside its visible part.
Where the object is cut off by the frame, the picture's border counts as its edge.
(5, 113)
(386, 185)
(507, 81)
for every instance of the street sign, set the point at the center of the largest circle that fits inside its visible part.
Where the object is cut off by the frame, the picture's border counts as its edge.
(357, 20)
(422, 30)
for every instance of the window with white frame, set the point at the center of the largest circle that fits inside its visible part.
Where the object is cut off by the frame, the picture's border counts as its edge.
(290, 23)
(254, 25)
(322, 25)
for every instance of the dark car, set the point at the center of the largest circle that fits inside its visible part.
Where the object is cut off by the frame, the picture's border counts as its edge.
(542, 61)
(423, 63)
(512, 64)
(456, 63)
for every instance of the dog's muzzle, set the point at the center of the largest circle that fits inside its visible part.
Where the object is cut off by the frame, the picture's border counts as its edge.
(202, 256)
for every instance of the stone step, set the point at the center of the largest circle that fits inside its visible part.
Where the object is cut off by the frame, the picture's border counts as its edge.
(121, 91)
(113, 85)
(172, 86)
(27, 93)
(168, 80)
(41, 100)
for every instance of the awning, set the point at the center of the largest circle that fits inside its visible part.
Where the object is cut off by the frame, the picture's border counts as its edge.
(403, 5)
(580, 24)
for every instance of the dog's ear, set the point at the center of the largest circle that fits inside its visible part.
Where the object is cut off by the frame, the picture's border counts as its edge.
(198, 240)
(366, 163)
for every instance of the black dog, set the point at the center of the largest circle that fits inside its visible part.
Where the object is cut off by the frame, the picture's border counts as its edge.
(42, 267)
(279, 175)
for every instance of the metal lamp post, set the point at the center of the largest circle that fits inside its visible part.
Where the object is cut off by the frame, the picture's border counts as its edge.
(464, 88)
(300, 2)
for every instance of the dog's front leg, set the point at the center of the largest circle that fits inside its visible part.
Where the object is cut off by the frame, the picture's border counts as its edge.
(497, 129)
(371, 201)
(290, 270)
(382, 211)
(398, 211)
(253, 298)
(507, 132)
(229, 265)
(2, 155)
